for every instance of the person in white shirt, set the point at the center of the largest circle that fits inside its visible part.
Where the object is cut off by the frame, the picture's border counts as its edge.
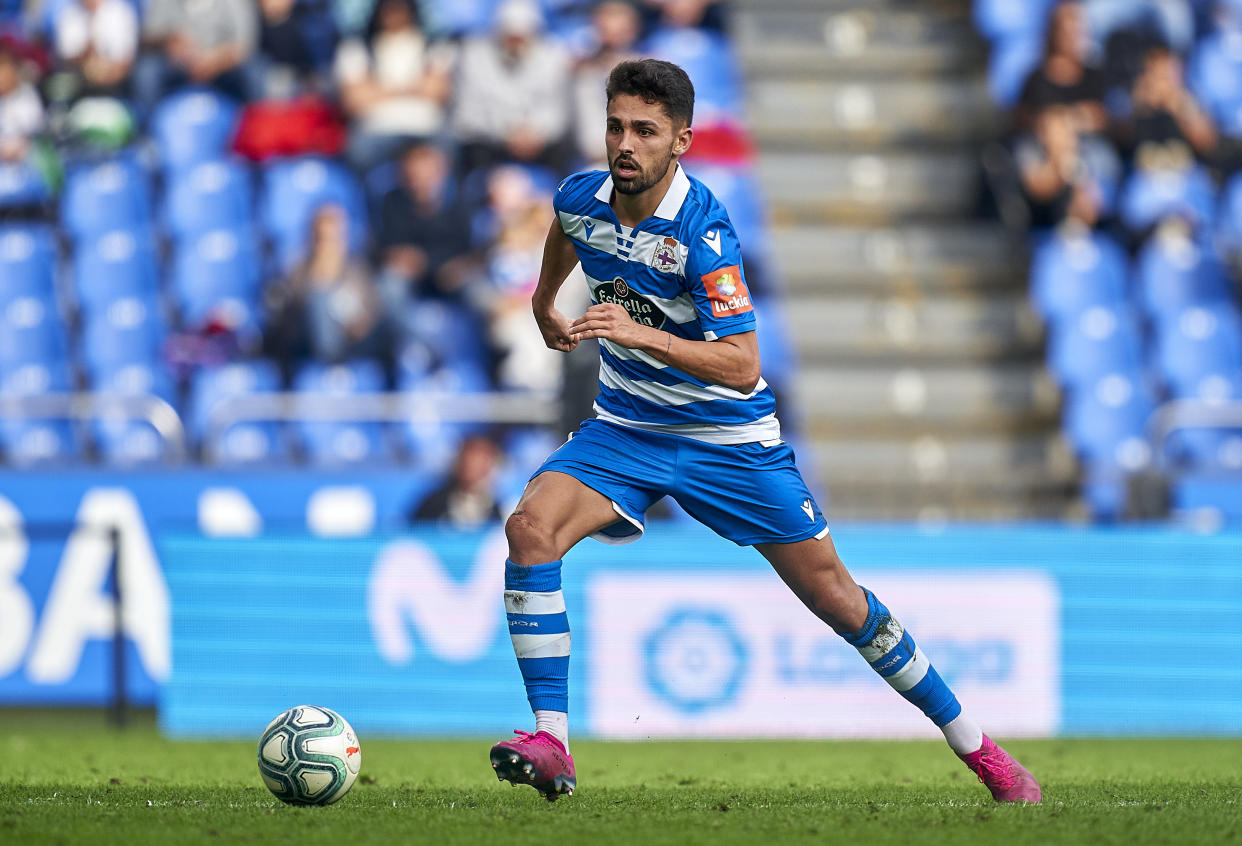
(393, 84)
(513, 95)
(21, 111)
(99, 39)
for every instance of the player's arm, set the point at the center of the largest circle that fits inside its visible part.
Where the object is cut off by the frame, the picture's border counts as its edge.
(731, 361)
(559, 259)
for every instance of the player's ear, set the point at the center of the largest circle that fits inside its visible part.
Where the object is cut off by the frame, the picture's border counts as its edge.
(683, 140)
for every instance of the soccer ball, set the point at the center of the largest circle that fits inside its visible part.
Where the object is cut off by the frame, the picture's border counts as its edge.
(309, 755)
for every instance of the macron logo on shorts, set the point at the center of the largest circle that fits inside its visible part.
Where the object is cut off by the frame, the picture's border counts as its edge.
(809, 509)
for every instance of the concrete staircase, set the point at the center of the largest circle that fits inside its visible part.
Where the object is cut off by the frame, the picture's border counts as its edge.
(920, 389)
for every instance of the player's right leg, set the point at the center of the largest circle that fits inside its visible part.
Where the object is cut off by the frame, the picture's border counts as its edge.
(555, 512)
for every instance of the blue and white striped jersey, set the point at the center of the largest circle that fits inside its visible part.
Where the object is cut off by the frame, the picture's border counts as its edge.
(681, 271)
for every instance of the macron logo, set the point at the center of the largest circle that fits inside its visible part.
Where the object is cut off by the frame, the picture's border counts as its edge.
(808, 509)
(589, 226)
(712, 239)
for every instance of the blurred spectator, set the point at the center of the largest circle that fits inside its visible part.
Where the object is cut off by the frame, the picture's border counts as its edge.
(329, 306)
(423, 232)
(207, 42)
(703, 14)
(512, 93)
(394, 83)
(511, 270)
(1063, 171)
(617, 27)
(1064, 76)
(1172, 22)
(296, 41)
(21, 110)
(98, 39)
(1166, 118)
(467, 498)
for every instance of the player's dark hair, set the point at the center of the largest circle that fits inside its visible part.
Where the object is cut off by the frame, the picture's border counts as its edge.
(655, 81)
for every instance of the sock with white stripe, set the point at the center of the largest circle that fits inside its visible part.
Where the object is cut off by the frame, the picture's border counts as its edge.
(891, 652)
(539, 629)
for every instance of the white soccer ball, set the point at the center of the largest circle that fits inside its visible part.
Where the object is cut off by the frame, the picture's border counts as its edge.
(309, 755)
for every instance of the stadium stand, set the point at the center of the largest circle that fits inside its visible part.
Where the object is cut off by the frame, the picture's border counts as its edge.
(1142, 307)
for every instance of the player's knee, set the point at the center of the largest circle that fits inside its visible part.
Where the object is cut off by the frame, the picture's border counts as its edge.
(528, 540)
(836, 601)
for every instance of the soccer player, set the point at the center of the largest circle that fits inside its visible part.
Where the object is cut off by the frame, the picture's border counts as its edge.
(682, 411)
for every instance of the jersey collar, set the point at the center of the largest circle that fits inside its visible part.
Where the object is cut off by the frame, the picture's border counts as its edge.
(677, 192)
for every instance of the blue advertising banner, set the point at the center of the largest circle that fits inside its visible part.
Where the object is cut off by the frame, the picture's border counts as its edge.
(56, 609)
(1040, 631)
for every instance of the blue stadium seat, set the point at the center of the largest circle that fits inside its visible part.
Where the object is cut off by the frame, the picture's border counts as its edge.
(243, 442)
(37, 441)
(212, 267)
(433, 443)
(1150, 196)
(1175, 272)
(1229, 219)
(193, 125)
(1218, 450)
(208, 195)
(27, 261)
(1010, 63)
(21, 186)
(1196, 343)
(110, 194)
(31, 331)
(440, 327)
(293, 189)
(461, 17)
(1101, 340)
(1106, 423)
(712, 65)
(125, 441)
(129, 330)
(113, 264)
(1215, 74)
(1218, 495)
(1003, 18)
(1070, 273)
(338, 442)
(1210, 449)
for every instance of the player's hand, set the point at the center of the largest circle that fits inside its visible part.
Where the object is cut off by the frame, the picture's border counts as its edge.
(555, 329)
(611, 321)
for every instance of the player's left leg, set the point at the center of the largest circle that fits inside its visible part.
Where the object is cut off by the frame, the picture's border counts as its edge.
(815, 573)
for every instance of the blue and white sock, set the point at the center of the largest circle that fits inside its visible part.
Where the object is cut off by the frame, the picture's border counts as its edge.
(891, 652)
(539, 629)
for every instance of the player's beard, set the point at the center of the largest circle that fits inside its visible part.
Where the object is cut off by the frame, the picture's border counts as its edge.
(641, 181)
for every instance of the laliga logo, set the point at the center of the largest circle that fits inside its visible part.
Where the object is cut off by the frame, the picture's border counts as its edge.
(695, 660)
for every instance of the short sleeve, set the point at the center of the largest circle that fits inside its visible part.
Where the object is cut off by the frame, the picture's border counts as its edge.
(716, 281)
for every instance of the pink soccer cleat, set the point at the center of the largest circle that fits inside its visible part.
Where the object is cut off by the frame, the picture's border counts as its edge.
(538, 760)
(1005, 777)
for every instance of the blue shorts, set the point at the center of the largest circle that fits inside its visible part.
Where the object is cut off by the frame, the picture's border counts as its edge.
(747, 493)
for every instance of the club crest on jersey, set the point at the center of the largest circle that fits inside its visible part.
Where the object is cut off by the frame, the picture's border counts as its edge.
(641, 309)
(727, 292)
(665, 257)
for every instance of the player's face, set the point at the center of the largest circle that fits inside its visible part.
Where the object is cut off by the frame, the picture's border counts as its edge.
(642, 143)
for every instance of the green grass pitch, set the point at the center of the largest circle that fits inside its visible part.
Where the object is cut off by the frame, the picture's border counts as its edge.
(67, 778)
